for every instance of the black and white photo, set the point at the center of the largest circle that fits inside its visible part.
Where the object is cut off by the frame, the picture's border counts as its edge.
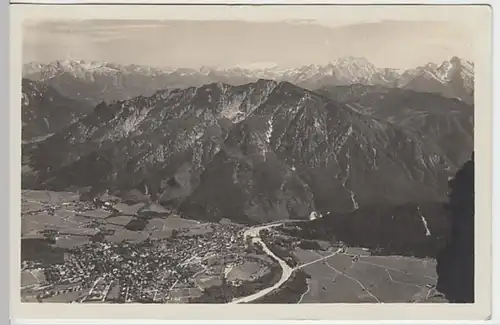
(247, 161)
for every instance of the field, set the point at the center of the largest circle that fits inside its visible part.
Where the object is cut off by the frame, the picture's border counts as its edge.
(183, 295)
(350, 278)
(65, 297)
(248, 271)
(53, 222)
(60, 211)
(29, 278)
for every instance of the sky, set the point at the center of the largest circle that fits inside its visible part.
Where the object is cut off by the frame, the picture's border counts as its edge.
(288, 41)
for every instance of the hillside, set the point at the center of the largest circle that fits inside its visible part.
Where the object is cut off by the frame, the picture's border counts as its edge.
(446, 125)
(256, 152)
(45, 111)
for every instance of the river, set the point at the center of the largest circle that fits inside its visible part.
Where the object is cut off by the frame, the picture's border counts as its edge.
(287, 271)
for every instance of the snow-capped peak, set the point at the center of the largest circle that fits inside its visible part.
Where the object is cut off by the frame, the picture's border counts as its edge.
(340, 71)
(448, 69)
(84, 69)
(353, 61)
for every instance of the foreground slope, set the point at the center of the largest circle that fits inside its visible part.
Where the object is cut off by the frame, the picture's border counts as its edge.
(455, 266)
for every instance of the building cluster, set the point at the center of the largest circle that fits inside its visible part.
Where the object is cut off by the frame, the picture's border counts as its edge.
(145, 271)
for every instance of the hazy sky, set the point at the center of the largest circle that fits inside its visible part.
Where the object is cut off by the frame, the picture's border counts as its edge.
(290, 43)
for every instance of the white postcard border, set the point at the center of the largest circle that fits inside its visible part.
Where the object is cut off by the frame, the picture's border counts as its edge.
(134, 313)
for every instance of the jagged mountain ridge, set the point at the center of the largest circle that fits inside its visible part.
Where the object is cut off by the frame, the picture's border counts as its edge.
(94, 82)
(45, 111)
(446, 125)
(454, 79)
(149, 131)
(98, 81)
(256, 152)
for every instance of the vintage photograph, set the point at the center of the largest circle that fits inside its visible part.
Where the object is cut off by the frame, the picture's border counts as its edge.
(247, 161)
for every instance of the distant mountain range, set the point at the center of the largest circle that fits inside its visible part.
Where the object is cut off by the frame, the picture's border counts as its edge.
(102, 81)
(260, 151)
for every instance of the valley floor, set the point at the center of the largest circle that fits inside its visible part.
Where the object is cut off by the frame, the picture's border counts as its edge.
(109, 251)
(346, 278)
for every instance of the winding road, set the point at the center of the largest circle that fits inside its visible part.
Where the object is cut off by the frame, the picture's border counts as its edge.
(287, 271)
